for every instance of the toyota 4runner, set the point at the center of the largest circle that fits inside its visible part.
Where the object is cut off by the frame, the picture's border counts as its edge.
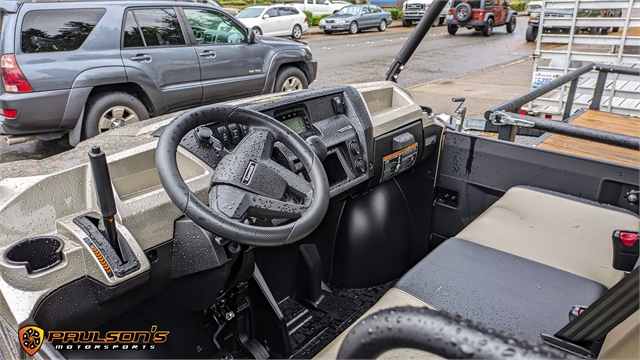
(481, 15)
(86, 67)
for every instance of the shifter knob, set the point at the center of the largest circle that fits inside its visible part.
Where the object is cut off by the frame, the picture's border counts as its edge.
(318, 146)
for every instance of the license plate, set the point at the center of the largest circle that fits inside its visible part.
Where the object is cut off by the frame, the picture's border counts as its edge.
(329, 27)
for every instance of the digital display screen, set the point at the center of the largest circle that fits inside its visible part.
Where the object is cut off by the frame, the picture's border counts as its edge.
(296, 124)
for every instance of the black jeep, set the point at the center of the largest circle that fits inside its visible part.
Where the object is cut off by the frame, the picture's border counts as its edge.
(481, 15)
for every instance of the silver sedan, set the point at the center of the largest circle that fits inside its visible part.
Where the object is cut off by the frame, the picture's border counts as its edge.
(355, 18)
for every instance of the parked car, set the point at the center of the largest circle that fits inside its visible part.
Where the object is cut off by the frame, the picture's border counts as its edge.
(354, 18)
(86, 67)
(481, 15)
(232, 11)
(534, 21)
(534, 5)
(321, 7)
(275, 20)
(413, 10)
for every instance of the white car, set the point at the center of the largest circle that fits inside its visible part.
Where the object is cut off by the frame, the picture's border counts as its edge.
(275, 20)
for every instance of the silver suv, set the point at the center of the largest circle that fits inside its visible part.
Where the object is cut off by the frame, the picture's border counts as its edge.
(86, 67)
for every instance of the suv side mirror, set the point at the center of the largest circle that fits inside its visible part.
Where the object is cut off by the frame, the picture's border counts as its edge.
(266, 16)
(251, 36)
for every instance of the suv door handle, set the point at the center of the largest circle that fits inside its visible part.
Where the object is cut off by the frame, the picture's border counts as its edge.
(208, 54)
(141, 57)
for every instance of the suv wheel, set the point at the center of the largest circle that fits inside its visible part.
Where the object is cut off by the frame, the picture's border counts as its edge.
(111, 110)
(463, 12)
(383, 25)
(511, 26)
(452, 29)
(531, 34)
(488, 29)
(297, 32)
(290, 78)
(256, 30)
(353, 28)
(406, 23)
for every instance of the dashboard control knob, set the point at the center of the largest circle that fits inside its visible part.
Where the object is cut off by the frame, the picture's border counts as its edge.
(338, 105)
(360, 165)
(317, 146)
(204, 134)
(354, 147)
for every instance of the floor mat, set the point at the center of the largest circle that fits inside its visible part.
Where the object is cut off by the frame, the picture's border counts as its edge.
(313, 329)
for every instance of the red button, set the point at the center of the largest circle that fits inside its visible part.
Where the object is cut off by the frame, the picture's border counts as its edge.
(628, 239)
(580, 311)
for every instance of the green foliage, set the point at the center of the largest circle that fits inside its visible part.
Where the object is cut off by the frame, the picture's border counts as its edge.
(518, 5)
(395, 13)
(315, 20)
(309, 15)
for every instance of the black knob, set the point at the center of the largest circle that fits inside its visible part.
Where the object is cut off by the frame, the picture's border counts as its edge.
(360, 165)
(354, 147)
(204, 134)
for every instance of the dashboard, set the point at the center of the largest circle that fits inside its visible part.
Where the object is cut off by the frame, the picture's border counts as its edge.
(371, 133)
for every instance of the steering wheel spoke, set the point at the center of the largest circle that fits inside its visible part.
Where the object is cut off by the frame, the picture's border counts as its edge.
(239, 204)
(295, 183)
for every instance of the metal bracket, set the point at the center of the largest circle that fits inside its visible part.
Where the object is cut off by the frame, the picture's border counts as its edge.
(503, 118)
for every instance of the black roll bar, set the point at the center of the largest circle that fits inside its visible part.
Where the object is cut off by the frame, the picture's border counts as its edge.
(414, 40)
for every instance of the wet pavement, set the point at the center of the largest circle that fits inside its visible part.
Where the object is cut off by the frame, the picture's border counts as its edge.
(346, 59)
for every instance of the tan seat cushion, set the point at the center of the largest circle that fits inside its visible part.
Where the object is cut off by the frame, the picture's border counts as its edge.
(392, 298)
(553, 230)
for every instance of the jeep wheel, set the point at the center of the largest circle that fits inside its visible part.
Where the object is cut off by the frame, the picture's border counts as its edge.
(488, 29)
(383, 25)
(256, 30)
(290, 79)
(531, 34)
(463, 12)
(452, 29)
(406, 23)
(511, 26)
(297, 32)
(353, 28)
(111, 110)
(440, 21)
(328, 32)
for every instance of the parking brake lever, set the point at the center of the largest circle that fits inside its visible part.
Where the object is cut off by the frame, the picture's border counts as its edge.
(106, 201)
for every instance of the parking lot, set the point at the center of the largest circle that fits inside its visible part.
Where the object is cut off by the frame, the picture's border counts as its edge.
(347, 59)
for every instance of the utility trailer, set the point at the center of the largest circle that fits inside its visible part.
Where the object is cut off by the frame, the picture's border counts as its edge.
(559, 52)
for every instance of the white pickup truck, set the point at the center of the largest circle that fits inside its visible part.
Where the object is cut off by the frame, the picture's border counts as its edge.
(321, 7)
(412, 11)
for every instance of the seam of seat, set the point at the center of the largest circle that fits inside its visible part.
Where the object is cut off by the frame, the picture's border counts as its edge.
(431, 307)
(577, 199)
(522, 257)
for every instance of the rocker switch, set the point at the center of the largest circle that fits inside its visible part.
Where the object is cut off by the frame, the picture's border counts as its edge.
(338, 105)
(236, 133)
(223, 135)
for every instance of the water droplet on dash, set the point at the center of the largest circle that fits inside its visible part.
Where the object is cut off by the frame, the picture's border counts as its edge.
(508, 352)
(467, 349)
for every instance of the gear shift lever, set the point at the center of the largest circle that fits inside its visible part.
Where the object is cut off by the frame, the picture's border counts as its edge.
(106, 202)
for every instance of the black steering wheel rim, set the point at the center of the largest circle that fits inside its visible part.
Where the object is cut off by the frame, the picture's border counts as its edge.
(214, 221)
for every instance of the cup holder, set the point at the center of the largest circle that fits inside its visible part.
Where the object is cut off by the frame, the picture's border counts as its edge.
(36, 254)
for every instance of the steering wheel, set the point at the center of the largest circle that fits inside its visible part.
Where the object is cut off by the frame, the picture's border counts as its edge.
(246, 182)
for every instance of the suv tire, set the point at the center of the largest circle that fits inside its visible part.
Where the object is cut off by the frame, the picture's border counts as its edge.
(353, 28)
(296, 33)
(511, 26)
(452, 29)
(463, 12)
(383, 25)
(109, 110)
(487, 30)
(406, 23)
(256, 30)
(290, 78)
(531, 34)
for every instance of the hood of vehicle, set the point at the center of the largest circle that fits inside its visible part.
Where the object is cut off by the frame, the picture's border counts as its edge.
(249, 22)
(277, 41)
(336, 16)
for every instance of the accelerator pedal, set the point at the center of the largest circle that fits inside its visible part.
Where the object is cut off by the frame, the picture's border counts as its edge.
(256, 349)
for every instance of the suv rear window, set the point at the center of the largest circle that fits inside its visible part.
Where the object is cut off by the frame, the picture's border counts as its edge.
(58, 30)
